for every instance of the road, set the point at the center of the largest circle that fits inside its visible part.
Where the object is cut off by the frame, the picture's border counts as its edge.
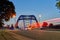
(30, 35)
(40, 34)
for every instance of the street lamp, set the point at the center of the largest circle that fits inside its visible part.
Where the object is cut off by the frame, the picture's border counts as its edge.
(14, 16)
(39, 17)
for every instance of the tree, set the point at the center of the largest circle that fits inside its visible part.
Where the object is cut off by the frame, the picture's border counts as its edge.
(7, 10)
(12, 27)
(50, 25)
(58, 4)
(45, 24)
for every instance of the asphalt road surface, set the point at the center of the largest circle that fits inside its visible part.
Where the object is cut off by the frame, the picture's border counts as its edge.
(40, 34)
(29, 35)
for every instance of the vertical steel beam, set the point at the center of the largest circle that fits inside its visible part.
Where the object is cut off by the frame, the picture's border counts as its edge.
(24, 23)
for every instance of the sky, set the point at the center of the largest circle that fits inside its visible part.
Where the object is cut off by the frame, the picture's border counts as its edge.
(45, 8)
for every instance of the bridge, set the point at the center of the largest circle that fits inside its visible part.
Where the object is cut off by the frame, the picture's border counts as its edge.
(26, 19)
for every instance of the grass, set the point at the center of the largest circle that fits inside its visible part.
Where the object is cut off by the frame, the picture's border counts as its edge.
(6, 36)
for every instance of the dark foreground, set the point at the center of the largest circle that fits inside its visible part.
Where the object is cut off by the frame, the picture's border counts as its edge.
(29, 35)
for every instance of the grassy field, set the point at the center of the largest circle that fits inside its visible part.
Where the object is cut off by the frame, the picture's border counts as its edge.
(6, 36)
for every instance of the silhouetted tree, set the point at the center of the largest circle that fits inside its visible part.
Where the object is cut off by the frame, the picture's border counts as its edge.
(58, 4)
(12, 27)
(50, 25)
(7, 10)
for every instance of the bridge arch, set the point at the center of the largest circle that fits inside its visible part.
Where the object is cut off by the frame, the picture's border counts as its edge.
(26, 17)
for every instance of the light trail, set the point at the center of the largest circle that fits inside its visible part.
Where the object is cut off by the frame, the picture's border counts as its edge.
(53, 20)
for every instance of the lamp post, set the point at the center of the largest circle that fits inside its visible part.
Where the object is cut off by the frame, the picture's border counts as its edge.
(39, 20)
(39, 17)
(14, 16)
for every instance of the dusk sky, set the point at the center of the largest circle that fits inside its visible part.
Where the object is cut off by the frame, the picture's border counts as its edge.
(46, 8)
